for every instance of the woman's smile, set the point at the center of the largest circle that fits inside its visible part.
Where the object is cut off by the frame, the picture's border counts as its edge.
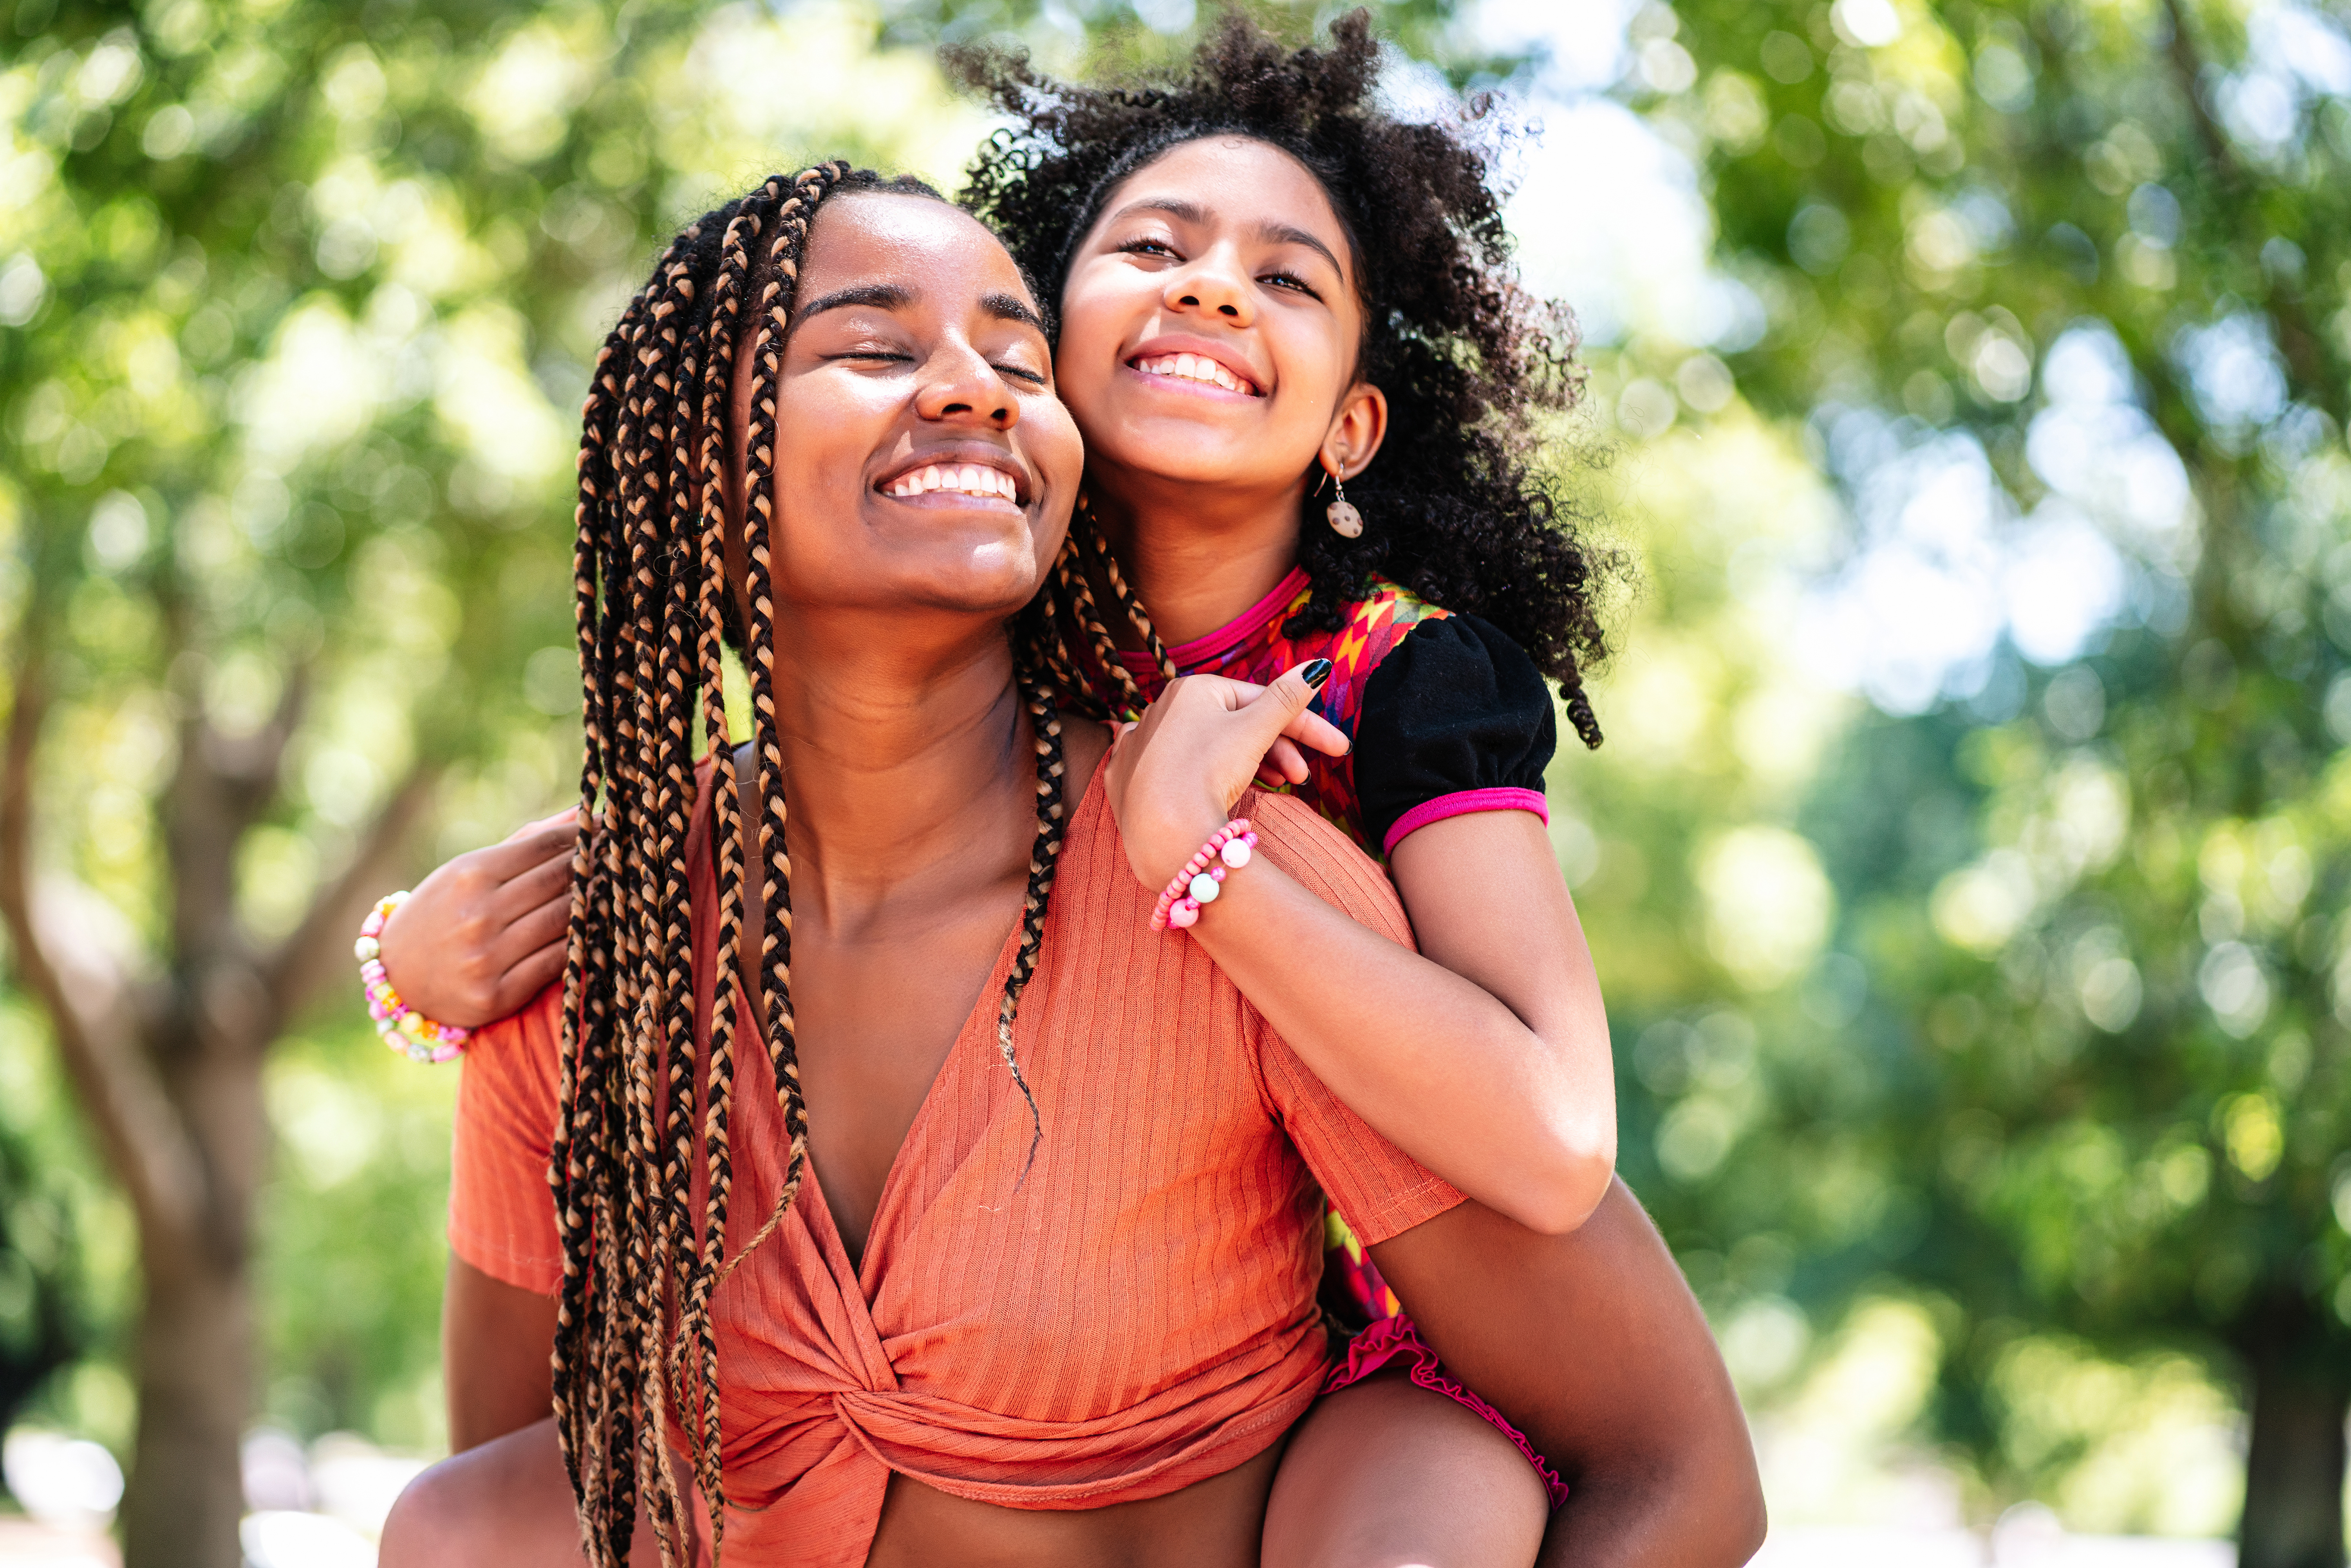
(959, 475)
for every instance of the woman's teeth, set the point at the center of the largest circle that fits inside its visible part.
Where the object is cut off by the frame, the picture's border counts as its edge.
(1195, 368)
(959, 478)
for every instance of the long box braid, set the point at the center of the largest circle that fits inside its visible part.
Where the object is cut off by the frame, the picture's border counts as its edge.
(636, 1339)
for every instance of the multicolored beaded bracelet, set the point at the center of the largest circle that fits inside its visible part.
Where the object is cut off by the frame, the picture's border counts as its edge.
(1197, 883)
(404, 1028)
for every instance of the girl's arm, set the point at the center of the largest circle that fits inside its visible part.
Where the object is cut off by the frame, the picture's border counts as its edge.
(1487, 1059)
(1593, 1347)
(484, 933)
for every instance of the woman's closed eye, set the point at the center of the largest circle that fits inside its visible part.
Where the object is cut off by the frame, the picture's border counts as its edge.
(900, 357)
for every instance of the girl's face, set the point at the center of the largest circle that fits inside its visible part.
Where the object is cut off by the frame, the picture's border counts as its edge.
(1210, 325)
(922, 458)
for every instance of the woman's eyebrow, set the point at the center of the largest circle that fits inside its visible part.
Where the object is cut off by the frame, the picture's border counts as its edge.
(881, 295)
(1012, 308)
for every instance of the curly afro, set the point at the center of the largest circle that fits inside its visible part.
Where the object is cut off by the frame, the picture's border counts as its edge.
(1455, 507)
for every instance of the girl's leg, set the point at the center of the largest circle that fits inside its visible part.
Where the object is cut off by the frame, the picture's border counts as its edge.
(504, 1504)
(1386, 1474)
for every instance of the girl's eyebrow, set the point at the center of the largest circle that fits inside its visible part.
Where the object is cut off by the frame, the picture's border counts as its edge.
(1182, 211)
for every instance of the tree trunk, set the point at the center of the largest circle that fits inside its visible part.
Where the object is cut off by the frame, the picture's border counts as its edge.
(2301, 1376)
(196, 1353)
(195, 1389)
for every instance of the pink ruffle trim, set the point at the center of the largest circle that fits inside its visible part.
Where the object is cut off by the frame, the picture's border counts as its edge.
(1389, 1338)
(1461, 803)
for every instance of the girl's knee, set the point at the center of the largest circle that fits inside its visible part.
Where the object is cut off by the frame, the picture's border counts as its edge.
(428, 1526)
(1386, 1473)
(504, 1504)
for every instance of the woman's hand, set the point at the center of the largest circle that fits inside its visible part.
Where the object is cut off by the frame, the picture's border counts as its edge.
(484, 933)
(1175, 775)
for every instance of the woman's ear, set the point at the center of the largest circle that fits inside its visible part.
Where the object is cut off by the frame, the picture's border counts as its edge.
(1357, 430)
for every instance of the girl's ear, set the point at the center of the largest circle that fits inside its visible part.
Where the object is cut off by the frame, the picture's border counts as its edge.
(1356, 431)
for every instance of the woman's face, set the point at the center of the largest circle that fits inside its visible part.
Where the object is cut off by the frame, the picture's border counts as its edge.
(922, 458)
(1210, 323)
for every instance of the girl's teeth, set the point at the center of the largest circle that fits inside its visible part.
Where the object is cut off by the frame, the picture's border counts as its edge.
(1192, 368)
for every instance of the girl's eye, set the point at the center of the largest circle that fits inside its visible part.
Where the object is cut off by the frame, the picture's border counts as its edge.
(1147, 247)
(1022, 373)
(1291, 281)
(887, 354)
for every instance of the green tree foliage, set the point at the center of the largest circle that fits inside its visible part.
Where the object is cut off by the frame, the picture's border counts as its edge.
(2058, 295)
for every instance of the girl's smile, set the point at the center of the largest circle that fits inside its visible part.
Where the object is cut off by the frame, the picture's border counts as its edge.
(1194, 364)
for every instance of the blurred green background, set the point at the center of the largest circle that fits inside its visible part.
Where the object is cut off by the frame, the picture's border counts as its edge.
(1966, 863)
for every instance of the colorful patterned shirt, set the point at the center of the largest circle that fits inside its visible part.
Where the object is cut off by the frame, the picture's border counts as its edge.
(1448, 716)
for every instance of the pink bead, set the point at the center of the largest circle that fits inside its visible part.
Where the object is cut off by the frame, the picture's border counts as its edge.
(1185, 913)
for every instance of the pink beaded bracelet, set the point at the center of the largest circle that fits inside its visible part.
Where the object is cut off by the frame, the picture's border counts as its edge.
(404, 1028)
(1197, 883)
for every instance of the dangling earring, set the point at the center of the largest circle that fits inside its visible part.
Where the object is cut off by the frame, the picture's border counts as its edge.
(1345, 521)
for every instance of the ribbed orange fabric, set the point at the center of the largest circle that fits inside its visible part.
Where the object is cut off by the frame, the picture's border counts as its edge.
(1138, 1315)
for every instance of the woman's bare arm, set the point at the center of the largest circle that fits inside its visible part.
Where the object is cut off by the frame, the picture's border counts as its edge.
(496, 1340)
(1594, 1346)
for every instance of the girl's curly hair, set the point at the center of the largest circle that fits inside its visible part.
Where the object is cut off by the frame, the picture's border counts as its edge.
(1456, 508)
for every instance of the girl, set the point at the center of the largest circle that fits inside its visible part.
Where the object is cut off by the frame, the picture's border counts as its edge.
(971, 1343)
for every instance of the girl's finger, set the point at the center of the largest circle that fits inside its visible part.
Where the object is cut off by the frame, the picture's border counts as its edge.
(530, 845)
(1284, 757)
(527, 979)
(534, 929)
(525, 889)
(1311, 729)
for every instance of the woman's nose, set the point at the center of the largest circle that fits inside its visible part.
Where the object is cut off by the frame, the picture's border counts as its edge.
(961, 386)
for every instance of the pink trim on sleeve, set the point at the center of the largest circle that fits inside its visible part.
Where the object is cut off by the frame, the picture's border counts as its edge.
(1461, 803)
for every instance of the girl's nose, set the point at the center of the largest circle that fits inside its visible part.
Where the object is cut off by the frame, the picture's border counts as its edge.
(1214, 286)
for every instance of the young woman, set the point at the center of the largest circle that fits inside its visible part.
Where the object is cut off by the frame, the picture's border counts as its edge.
(1228, 343)
(978, 1337)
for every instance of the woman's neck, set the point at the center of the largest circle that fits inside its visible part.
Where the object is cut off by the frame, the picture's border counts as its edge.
(908, 764)
(1196, 555)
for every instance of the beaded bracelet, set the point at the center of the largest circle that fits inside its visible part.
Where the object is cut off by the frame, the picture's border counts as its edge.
(1197, 883)
(404, 1028)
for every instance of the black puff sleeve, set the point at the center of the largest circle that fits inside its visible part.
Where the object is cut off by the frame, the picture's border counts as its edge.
(1456, 718)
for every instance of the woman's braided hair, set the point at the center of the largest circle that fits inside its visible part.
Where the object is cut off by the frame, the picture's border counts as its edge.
(1456, 508)
(634, 1329)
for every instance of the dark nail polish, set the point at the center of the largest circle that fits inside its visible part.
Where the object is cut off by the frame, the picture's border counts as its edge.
(1317, 673)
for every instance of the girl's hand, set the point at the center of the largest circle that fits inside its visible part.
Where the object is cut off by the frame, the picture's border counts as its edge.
(485, 933)
(1175, 775)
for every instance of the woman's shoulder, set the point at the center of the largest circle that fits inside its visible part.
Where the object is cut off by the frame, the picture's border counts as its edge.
(1324, 860)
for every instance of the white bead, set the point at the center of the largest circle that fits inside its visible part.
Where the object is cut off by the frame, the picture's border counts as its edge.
(1236, 853)
(1205, 889)
(1182, 914)
(365, 948)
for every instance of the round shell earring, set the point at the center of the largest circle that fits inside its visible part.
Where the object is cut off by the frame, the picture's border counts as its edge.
(1345, 521)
